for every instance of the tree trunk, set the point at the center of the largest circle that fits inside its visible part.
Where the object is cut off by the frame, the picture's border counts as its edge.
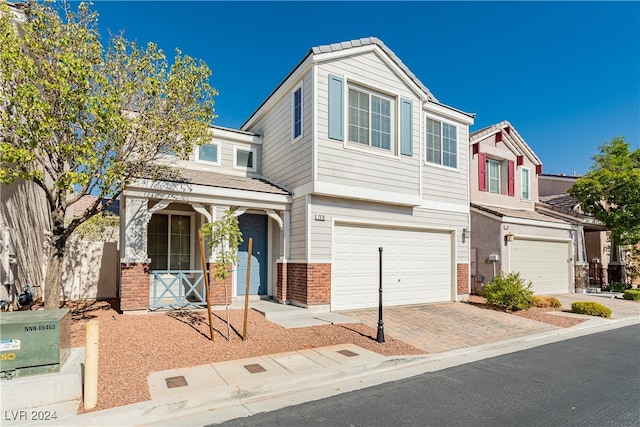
(54, 273)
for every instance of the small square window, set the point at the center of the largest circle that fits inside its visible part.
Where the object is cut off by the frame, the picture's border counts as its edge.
(209, 153)
(245, 158)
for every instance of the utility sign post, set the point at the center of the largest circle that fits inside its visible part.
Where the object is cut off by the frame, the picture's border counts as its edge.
(380, 337)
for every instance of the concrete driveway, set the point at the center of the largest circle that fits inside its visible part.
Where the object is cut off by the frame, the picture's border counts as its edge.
(441, 327)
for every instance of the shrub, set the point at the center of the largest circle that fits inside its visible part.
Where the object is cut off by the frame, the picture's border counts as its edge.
(590, 308)
(544, 301)
(509, 292)
(632, 294)
(616, 287)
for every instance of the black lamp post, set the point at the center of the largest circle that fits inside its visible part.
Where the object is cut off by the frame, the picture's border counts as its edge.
(380, 337)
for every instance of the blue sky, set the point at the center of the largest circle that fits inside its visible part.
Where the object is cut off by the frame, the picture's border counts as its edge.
(565, 74)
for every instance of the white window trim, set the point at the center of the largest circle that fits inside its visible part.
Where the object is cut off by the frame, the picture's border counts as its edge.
(424, 133)
(293, 113)
(209, 162)
(393, 150)
(499, 162)
(192, 240)
(528, 184)
(237, 148)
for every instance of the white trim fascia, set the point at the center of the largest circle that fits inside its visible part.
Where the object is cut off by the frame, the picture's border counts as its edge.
(226, 135)
(422, 149)
(303, 190)
(428, 106)
(185, 191)
(285, 88)
(186, 198)
(314, 126)
(436, 205)
(341, 220)
(359, 193)
(542, 238)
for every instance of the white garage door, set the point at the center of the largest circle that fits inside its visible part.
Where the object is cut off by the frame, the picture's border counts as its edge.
(544, 263)
(416, 267)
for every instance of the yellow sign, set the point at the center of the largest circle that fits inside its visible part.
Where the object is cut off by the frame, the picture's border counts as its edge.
(8, 356)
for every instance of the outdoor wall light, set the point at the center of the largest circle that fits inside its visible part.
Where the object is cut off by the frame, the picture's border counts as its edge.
(466, 234)
(509, 237)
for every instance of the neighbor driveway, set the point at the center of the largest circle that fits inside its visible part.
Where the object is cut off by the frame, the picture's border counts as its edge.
(619, 308)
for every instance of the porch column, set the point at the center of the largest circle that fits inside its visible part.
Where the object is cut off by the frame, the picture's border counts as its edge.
(216, 287)
(135, 262)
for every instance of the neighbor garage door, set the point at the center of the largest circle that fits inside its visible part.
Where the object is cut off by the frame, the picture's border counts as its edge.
(544, 263)
(416, 267)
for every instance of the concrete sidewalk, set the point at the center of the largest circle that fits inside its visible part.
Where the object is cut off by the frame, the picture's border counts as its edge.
(221, 391)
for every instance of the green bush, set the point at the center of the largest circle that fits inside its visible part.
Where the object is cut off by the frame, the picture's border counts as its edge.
(616, 287)
(544, 301)
(590, 308)
(632, 294)
(509, 292)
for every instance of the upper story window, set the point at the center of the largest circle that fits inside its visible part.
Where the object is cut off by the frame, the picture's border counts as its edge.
(209, 153)
(525, 184)
(370, 120)
(442, 143)
(244, 158)
(297, 113)
(493, 176)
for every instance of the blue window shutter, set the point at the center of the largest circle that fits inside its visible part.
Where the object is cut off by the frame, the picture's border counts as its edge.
(336, 107)
(406, 127)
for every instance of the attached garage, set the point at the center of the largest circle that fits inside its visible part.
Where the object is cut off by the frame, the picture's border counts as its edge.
(545, 263)
(416, 268)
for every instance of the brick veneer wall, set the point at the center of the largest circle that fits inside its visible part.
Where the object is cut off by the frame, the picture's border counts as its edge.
(463, 279)
(216, 287)
(134, 286)
(304, 283)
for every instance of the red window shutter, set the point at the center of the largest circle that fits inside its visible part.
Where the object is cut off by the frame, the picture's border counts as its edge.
(538, 169)
(512, 180)
(482, 172)
(520, 160)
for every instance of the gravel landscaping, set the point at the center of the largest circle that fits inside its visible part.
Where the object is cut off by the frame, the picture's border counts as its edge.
(133, 346)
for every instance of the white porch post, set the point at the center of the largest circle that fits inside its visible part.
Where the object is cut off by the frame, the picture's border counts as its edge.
(286, 235)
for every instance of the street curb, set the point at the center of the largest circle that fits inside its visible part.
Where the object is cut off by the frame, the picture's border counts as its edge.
(247, 399)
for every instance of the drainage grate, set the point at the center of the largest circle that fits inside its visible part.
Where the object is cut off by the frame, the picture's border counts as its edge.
(174, 382)
(347, 353)
(255, 368)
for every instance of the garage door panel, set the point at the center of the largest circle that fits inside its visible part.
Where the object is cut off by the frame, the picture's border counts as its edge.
(416, 267)
(544, 263)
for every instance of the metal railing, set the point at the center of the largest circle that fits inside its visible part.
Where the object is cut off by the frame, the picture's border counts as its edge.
(178, 288)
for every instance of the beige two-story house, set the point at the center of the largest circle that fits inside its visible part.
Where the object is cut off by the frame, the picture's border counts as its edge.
(349, 164)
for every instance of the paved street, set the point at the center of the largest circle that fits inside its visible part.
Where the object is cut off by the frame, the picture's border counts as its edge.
(590, 380)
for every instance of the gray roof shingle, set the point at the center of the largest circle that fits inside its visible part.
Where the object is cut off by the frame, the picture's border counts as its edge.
(221, 180)
(516, 213)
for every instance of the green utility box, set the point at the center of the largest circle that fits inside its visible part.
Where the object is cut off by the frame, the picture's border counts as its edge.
(34, 342)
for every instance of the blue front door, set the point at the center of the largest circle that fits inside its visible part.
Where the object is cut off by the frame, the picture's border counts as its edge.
(253, 226)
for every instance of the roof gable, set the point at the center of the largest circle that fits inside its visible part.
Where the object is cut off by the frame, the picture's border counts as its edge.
(509, 135)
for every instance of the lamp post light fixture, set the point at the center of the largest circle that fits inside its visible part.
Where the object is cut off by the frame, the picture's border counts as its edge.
(380, 336)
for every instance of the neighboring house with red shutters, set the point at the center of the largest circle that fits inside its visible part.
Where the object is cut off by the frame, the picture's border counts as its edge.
(350, 153)
(507, 233)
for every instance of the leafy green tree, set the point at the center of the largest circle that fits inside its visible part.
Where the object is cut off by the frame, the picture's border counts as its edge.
(611, 190)
(77, 118)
